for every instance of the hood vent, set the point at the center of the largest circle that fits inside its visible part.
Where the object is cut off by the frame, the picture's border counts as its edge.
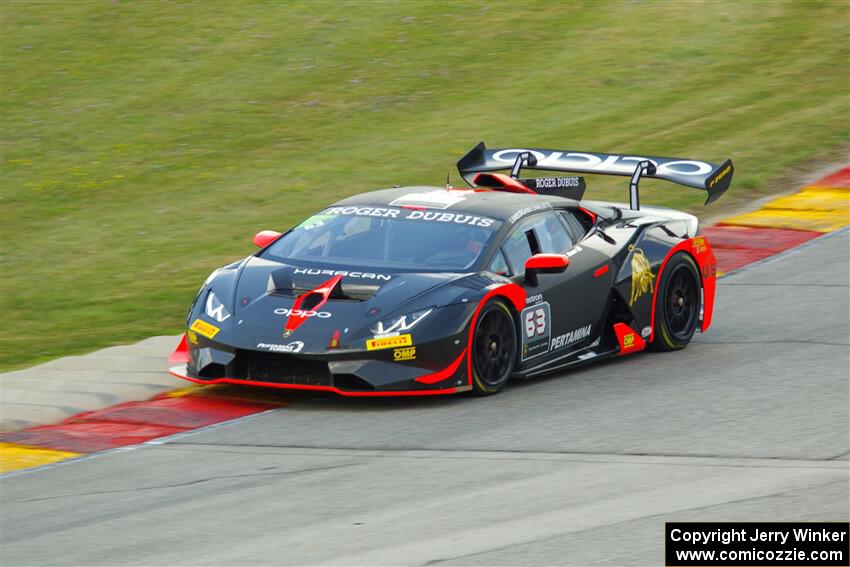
(282, 283)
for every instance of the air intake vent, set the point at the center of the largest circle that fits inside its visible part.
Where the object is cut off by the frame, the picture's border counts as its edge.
(281, 368)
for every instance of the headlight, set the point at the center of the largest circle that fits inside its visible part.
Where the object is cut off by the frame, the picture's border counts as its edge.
(215, 309)
(399, 324)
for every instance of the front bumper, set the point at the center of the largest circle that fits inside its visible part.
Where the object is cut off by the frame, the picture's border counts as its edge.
(181, 372)
(348, 375)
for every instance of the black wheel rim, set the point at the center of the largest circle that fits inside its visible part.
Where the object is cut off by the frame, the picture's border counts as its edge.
(682, 303)
(494, 347)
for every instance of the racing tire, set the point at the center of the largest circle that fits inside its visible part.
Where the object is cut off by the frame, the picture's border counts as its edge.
(677, 305)
(493, 349)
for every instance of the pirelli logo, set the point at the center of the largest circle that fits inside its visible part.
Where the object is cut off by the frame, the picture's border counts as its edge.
(389, 342)
(204, 328)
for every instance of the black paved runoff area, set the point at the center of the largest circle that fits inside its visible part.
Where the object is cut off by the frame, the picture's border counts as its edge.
(748, 423)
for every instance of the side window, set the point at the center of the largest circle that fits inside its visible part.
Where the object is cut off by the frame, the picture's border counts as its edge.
(518, 245)
(551, 234)
(540, 233)
(499, 265)
(574, 225)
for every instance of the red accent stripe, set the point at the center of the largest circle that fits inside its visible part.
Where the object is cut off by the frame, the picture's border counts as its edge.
(705, 260)
(176, 372)
(444, 373)
(324, 290)
(512, 292)
(601, 271)
(181, 353)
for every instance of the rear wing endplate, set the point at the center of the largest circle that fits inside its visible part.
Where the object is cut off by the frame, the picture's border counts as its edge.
(712, 178)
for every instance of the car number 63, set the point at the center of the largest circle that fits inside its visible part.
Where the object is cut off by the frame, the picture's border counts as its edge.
(535, 322)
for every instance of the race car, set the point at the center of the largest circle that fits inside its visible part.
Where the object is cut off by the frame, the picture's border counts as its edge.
(440, 290)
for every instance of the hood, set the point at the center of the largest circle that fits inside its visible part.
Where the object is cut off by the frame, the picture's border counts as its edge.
(262, 279)
(261, 294)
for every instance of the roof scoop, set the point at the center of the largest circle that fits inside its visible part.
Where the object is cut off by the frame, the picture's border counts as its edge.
(570, 187)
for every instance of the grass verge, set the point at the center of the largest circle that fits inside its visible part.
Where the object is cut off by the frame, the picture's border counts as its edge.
(144, 143)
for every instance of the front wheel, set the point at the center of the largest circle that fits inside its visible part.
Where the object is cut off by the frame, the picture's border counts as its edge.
(493, 348)
(677, 305)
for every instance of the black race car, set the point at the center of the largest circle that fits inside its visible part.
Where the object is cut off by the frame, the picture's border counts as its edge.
(431, 290)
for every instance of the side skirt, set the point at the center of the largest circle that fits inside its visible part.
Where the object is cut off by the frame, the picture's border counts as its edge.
(580, 357)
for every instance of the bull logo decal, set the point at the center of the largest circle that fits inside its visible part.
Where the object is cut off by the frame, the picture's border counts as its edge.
(642, 276)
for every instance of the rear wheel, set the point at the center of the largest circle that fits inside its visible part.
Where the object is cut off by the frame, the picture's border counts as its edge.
(677, 305)
(493, 348)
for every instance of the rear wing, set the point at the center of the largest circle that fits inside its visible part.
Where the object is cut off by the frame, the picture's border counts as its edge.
(712, 178)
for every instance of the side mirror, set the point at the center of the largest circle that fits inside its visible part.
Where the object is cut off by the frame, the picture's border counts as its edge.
(544, 264)
(265, 237)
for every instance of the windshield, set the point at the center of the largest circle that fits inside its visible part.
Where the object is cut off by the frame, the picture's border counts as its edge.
(388, 237)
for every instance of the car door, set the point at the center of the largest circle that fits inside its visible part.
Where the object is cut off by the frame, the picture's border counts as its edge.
(563, 311)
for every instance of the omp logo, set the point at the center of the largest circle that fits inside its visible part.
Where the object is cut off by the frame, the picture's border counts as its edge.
(629, 341)
(408, 353)
(591, 162)
(301, 313)
(720, 176)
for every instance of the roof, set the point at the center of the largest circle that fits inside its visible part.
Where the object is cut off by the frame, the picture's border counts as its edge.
(495, 204)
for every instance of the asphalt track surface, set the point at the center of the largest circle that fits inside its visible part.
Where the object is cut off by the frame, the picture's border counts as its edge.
(748, 423)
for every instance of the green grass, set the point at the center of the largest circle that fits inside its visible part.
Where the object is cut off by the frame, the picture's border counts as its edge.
(144, 143)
